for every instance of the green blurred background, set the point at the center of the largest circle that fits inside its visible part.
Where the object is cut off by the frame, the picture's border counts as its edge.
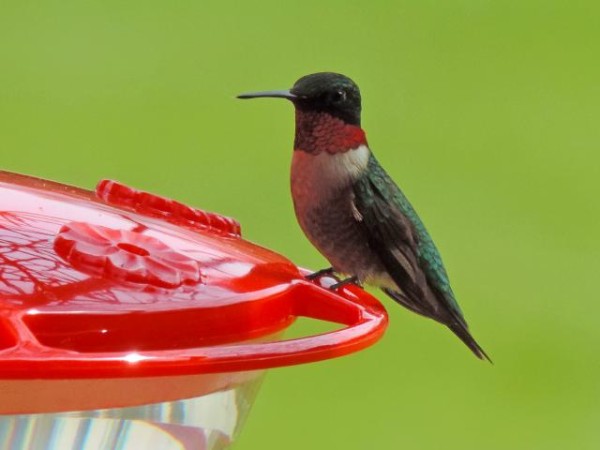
(485, 112)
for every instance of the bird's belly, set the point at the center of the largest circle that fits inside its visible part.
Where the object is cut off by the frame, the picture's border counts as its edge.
(333, 229)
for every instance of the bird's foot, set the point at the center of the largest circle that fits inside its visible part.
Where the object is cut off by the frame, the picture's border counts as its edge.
(320, 273)
(350, 280)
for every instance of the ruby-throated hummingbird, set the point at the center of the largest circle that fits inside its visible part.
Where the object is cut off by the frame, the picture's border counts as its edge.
(353, 212)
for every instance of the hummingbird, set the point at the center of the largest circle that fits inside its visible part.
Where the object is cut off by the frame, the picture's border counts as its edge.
(352, 211)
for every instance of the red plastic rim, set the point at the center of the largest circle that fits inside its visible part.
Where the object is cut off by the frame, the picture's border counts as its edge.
(135, 287)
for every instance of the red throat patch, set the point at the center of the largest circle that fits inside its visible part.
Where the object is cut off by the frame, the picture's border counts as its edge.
(318, 132)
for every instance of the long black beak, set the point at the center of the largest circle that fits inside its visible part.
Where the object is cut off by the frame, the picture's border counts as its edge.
(276, 94)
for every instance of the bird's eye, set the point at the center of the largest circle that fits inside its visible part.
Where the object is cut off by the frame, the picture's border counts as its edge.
(339, 96)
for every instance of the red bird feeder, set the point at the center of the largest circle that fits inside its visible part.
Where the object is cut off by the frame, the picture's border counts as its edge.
(132, 321)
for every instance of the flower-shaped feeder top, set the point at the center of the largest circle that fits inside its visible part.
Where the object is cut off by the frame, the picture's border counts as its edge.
(123, 284)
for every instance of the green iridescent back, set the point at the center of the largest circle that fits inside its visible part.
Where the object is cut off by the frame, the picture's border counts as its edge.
(428, 254)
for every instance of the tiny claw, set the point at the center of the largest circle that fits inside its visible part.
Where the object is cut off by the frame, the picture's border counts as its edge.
(351, 280)
(320, 273)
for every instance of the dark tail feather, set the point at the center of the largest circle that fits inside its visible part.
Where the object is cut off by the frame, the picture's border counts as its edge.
(463, 334)
(457, 325)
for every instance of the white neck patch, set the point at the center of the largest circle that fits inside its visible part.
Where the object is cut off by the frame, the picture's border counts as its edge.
(317, 175)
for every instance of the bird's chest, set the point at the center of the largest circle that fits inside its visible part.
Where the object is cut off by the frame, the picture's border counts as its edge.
(319, 179)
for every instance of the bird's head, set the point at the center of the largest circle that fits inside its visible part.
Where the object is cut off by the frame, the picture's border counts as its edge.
(328, 92)
(328, 107)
